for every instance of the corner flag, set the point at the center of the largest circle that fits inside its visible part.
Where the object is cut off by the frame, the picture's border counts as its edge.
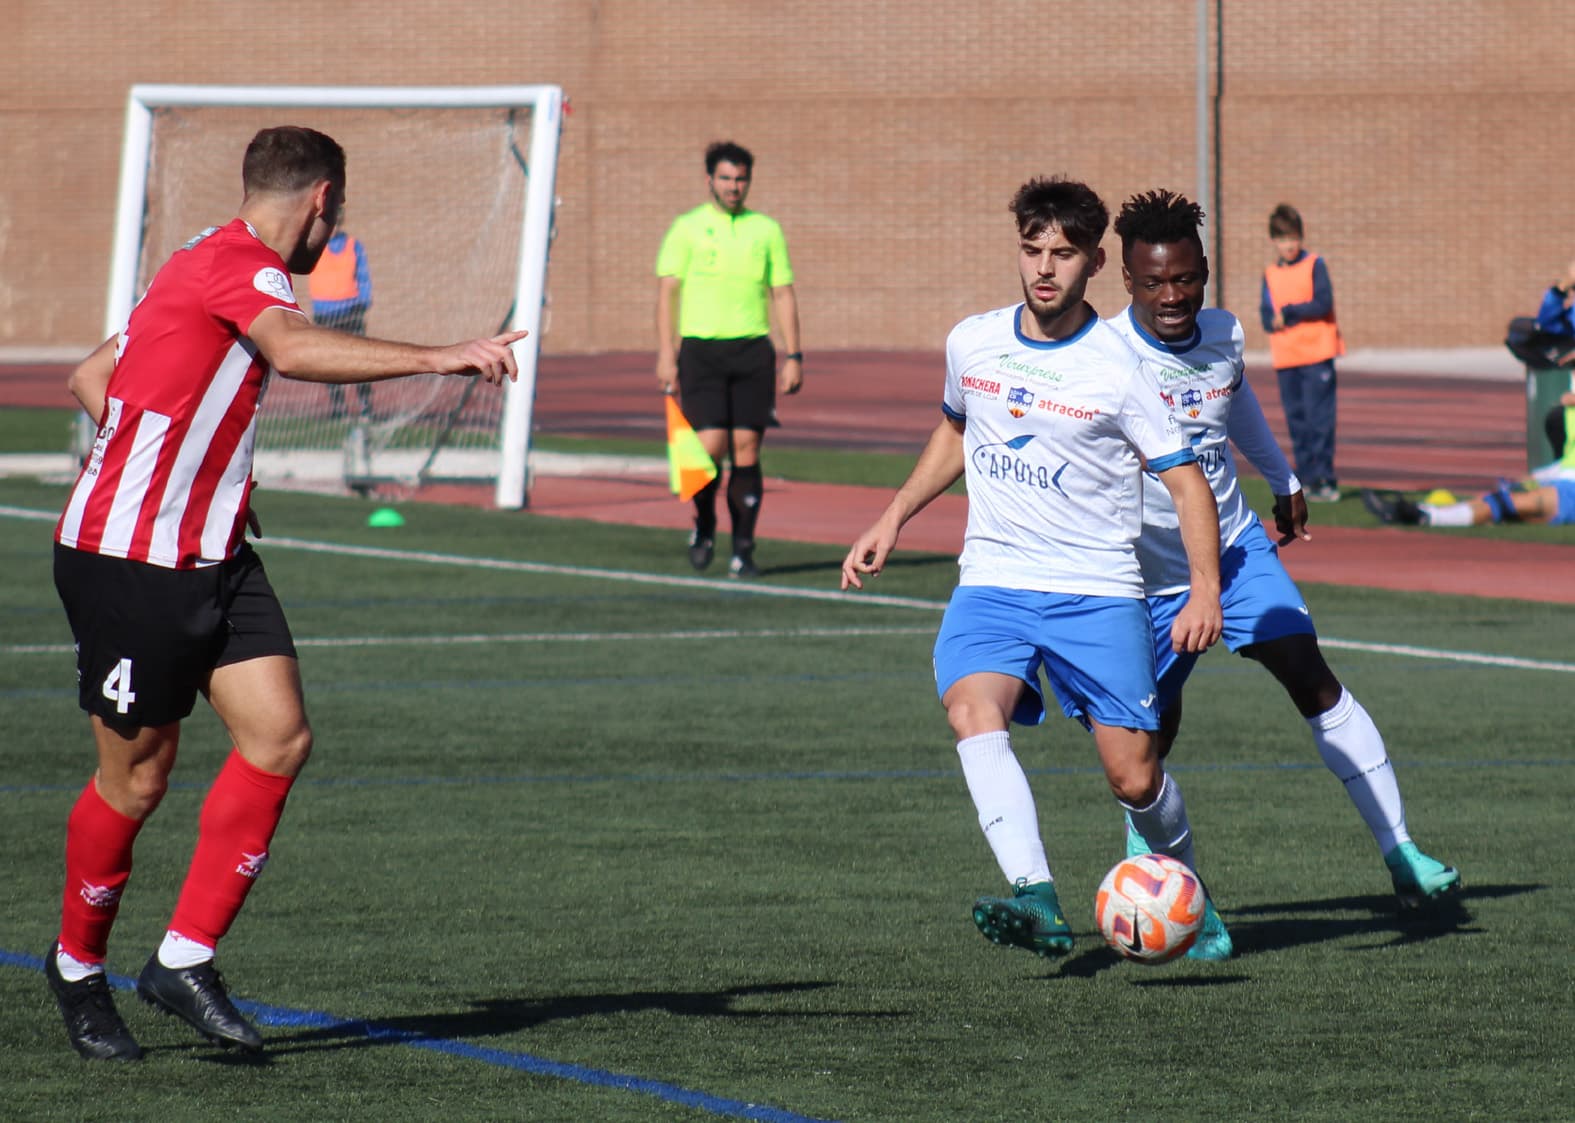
(689, 466)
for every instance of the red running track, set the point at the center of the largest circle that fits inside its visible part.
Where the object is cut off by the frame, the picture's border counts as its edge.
(1407, 431)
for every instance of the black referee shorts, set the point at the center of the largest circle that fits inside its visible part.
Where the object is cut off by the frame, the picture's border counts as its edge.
(148, 637)
(728, 383)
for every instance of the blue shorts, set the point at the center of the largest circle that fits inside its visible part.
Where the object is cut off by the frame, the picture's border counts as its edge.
(1097, 652)
(1259, 600)
(1565, 514)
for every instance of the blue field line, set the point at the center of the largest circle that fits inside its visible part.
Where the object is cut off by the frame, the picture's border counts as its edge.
(286, 1017)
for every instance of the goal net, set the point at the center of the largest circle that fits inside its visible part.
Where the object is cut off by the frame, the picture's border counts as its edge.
(450, 197)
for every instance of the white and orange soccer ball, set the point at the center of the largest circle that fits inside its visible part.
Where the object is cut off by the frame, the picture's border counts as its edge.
(1150, 908)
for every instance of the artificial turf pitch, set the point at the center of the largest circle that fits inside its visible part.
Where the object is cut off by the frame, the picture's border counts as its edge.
(585, 837)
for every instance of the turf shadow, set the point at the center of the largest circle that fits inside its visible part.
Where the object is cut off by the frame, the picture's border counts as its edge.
(1087, 964)
(1287, 924)
(1278, 925)
(497, 1017)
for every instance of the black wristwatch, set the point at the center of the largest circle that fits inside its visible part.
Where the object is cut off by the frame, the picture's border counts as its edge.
(799, 355)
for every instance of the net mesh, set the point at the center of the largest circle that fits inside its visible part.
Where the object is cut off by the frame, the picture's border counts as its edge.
(436, 198)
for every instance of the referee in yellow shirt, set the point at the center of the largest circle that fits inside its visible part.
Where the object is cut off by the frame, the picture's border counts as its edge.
(721, 271)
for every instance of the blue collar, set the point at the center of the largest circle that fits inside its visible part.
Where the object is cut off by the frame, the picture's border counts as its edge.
(1163, 345)
(1049, 344)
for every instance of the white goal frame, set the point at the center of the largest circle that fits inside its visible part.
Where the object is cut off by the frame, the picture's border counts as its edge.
(546, 106)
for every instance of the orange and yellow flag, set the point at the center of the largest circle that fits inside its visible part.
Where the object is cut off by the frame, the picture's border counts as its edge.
(689, 466)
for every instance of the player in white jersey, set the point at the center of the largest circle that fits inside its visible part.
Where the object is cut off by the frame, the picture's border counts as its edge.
(1051, 416)
(167, 600)
(1197, 353)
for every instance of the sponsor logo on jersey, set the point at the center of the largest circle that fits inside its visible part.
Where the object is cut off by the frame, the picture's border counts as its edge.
(1210, 459)
(974, 386)
(1009, 364)
(1019, 401)
(1168, 399)
(1219, 392)
(1078, 413)
(1172, 374)
(100, 443)
(272, 282)
(1000, 463)
(1191, 402)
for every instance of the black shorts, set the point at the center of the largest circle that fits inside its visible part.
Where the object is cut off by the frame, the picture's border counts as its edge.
(148, 637)
(728, 383)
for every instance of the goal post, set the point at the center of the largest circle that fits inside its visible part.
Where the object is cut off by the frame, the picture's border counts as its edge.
(452, 189)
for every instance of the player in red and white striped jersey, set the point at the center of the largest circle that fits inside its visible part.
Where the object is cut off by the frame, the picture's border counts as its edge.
(167, 479)
(167, 599)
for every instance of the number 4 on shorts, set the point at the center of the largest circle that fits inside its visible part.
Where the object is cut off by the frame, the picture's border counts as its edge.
(117, 687)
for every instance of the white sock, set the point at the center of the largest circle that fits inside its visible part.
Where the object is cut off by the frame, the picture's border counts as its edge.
(1005, 804)
(177, 952)
(1353, 750)
(1163, 824)
(1456, 514)
(72, 969)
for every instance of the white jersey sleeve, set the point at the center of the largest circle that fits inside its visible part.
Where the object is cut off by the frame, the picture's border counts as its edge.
(1249, 431)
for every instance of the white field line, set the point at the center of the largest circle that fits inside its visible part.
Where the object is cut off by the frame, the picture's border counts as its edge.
(1475, 658)
(739, 588)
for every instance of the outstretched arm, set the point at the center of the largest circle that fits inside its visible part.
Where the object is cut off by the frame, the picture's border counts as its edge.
(300, 349)
(939, 466)
(1198, 626)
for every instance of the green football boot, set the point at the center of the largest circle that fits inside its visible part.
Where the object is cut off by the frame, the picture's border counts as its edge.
(1030, 919)
(1213, 943)
(1419, 879)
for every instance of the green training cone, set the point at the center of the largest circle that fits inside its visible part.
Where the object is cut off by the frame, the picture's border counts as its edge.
(385, 516)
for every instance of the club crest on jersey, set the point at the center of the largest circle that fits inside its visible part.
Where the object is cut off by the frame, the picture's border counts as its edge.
(272, 282)
(1191, 402)
(1019, 400)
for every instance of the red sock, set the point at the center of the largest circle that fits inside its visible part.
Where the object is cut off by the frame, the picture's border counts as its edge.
(238, 821)
(98, 864)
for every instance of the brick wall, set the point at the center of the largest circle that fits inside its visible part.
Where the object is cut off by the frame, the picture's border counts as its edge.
(1424, 143)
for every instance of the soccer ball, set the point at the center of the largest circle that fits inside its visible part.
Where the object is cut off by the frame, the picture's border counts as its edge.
(1150, 908)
